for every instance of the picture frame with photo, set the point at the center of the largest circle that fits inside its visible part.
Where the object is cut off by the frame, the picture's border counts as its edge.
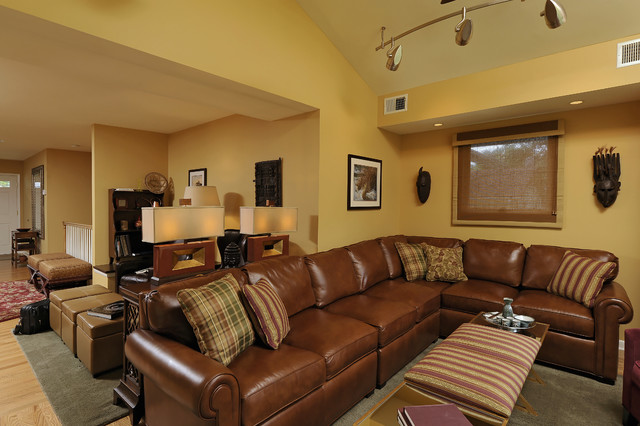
(198, 177)
(364, 187)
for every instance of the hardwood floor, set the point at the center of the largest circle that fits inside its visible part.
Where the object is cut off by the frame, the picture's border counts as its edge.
(22, 401)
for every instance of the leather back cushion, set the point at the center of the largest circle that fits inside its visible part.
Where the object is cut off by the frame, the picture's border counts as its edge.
(498, 261)
(436, 241)
(391, 254)
(369, 263)
(290, 278)
(332, 275)
(542, 262)
(160, 310)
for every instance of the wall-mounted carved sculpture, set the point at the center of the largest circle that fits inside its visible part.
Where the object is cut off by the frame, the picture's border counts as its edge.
(423, 185)
(606, 174)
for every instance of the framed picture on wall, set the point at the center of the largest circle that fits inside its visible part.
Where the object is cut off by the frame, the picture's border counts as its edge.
(364, 188)
(198, 177)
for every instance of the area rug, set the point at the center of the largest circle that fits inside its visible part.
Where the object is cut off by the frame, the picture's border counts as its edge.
(14, 295)
(75, 395)
(564, 399)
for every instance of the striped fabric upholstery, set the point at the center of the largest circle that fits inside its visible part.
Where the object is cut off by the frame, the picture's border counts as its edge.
(478, 366)
(270, 315)
(413, 260)
(218, 318)
(580, 278)
(470, 378)
(495, 343)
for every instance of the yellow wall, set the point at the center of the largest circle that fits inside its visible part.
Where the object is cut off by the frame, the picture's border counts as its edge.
(586, 223)
(68, 199)
(121, 158)
(229, 149)
(276, 48)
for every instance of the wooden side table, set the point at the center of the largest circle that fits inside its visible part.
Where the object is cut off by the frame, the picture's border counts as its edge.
(130, 390)
(23, 241)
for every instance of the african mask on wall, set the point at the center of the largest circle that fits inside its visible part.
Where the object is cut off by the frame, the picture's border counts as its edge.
(606, 174)
(423, 185)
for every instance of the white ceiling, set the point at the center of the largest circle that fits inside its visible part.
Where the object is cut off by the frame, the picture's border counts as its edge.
(56, 82)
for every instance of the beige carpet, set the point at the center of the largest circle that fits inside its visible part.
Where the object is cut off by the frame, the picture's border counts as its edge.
(564, 399)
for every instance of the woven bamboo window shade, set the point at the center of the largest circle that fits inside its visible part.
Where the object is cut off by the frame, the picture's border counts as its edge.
(509, 176)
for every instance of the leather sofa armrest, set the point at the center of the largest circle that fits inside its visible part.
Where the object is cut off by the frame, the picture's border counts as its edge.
(202, 385)
(613, 300)
(612, 308)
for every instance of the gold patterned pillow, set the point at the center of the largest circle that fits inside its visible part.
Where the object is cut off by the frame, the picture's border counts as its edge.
(413, 261)
(218, 318)
(443, 264)
(580, 278)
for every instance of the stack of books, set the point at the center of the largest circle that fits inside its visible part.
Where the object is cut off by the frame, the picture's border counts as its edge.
(432, 415)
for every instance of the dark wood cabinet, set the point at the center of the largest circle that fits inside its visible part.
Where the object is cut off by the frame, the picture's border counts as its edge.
(125, 230)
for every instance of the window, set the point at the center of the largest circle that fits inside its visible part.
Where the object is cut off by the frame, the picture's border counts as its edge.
(509, 177)
(5, 184)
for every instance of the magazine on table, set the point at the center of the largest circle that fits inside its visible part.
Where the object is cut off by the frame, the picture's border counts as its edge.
(110, 311)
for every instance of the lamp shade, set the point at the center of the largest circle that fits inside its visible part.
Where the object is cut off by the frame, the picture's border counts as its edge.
(264, 220)
(202, 195)
(162, 224)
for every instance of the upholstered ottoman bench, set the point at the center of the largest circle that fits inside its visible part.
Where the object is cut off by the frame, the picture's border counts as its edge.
(57, 297)
(60, 273)
(33, 262)
(99, 342)
(478, 367)
(71, 309)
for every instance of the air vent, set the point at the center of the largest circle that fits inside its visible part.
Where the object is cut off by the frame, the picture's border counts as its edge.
(395, 104)
(629, 53)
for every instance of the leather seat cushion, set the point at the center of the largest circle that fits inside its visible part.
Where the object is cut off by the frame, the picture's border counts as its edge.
(340, 340)
(424, 300)
(474, 296)
(392, 319)
(270, 380)
(562, 315)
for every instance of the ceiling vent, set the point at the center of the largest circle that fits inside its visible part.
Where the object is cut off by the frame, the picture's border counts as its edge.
(629, 53)
(395, 104)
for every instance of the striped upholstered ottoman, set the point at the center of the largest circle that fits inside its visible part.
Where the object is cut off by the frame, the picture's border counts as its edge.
(478, 367)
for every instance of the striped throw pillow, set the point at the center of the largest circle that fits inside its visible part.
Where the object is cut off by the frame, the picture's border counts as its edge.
(580, 278)
(218, 318)
(444, 264)
(413, 260)
(269, 314)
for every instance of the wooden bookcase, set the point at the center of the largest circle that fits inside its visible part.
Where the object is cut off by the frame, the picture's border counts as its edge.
(125, 238)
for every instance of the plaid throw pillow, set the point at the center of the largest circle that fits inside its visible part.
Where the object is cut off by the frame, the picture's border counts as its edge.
(267, 312)
(580, 278)
(218, 318)
(444, 264)
(413, 260)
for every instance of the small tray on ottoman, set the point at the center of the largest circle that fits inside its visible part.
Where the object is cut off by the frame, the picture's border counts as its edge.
(497, 319)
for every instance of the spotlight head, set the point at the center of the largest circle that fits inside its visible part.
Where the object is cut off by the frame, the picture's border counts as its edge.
(464, 29)
(394, 56)
(554, 14)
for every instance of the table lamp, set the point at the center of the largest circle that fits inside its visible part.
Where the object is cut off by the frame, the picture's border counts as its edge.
(177, 260)
(261, 222)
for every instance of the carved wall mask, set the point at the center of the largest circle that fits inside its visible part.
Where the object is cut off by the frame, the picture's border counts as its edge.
(606, 174)
(423, 185)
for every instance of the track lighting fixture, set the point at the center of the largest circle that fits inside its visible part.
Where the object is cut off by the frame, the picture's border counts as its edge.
(553, 13)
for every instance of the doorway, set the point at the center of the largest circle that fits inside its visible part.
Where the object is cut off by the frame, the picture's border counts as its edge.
(9, 209)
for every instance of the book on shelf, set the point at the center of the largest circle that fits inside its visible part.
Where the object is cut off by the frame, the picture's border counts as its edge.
(109, 311)
(427, 415)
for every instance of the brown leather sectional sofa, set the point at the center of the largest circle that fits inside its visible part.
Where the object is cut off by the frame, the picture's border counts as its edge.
(355, 321)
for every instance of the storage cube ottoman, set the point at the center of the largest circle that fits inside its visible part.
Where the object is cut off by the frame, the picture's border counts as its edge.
(59, 273)
(71, 309)
(57, 297)
(99, 342)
